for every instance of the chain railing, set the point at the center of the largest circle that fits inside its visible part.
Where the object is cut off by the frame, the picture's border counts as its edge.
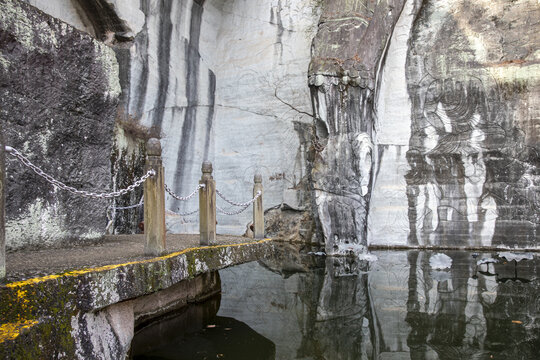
(243, 206)
(58, 184)
(233, 203)
(183, 198)
(154, 192)
(139, 204)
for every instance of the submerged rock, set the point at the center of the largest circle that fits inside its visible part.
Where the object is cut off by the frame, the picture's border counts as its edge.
(440, 261)
(515, 256)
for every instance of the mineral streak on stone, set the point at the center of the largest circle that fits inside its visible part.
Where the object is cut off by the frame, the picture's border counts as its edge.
(346, 57)
(57, 100)
(204, 76)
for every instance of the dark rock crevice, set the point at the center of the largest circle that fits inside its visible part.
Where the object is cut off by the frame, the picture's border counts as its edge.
(104, 20)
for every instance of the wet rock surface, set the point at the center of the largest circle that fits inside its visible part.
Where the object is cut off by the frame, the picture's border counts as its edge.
(117, 249)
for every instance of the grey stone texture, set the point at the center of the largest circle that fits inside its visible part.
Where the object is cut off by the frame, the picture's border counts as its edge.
(58, 96)
(346, 57)
(474, 147)
(427, 121)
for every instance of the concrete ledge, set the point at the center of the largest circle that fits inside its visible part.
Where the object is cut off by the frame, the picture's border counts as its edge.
(39, 315)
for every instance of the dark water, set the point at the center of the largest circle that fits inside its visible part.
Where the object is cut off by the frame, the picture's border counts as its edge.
(300, 306)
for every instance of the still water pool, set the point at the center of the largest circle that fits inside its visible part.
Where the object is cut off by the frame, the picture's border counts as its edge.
(303, 306)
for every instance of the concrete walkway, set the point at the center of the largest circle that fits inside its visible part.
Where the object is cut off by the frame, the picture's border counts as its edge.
(116, 249)
(83, 302)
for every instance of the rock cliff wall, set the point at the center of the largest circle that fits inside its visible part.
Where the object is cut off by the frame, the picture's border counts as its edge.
(347, 53)
(190, 70)
(395, 122)
(427, 114)
(474, 147)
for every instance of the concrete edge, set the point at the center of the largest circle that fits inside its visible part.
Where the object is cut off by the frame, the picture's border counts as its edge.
(55, 299)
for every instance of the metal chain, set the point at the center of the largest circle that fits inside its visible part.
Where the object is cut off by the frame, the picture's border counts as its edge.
(242, 209)
(183, 214)
(224, 212)
(183, 198)
(238, 204)
(13, 152)
(127, 207)
(130, 206)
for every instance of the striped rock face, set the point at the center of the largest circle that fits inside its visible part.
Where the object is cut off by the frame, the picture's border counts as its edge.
(417, 125)
(448, 108)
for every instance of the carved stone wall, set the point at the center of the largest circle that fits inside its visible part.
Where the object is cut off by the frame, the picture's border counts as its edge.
(428, 123)
(347, 53)
(474, 81)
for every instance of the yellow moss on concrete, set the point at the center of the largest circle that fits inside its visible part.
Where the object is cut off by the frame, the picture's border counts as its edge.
(20, 284)
(10, 331)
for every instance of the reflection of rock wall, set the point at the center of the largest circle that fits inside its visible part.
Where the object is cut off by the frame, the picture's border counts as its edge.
(299, 310)
(395, 307)
(343, 307)
(474, 82)
(58, 99)
(472, 311)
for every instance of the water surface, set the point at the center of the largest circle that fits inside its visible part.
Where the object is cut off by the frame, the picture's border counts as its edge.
(302, 306)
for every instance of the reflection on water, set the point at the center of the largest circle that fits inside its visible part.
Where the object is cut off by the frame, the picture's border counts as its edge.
(197, 333)
(398, 307)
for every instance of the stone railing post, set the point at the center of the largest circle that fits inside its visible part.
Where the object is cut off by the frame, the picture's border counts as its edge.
(154, 201)
(207, 205)
(258, 212)
(2, 212)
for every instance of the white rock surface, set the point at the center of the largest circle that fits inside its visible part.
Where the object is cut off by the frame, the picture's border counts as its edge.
(261, 56)
(130, 13)
(388, 222)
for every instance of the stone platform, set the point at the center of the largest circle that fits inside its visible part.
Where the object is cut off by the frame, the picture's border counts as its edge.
(86, 300)
(115, 249)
